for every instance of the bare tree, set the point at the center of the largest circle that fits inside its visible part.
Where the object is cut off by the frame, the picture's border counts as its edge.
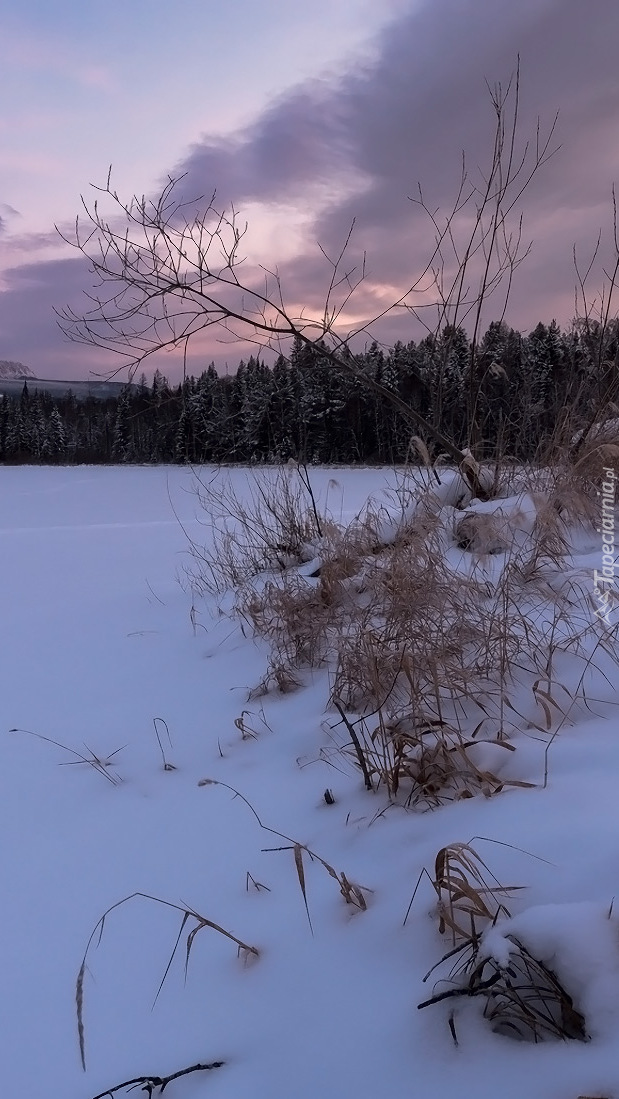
(168, 269)
(596, 323)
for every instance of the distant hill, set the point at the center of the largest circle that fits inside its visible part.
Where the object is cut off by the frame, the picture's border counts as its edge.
(12, 384)
(14, 370)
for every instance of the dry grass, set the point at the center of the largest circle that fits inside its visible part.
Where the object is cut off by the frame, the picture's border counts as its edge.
(428, 643)
(99, 763)
(269, 531)
(600, 448)
(469, 897)
(251, 725)
(188, 915)
(351, 892)
(433, 655)
(291, 615)
(523, 999)
(424, 763)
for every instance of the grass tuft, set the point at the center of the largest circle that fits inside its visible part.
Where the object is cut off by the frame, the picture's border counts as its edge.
(523, 998)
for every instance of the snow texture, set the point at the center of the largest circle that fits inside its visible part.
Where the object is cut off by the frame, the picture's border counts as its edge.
(101, 645)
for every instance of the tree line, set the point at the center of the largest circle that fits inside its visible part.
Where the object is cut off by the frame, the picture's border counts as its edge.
(303, 407)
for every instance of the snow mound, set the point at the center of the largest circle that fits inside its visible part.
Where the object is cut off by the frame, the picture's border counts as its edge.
(495, 526)
(580, 942)
(602, 431)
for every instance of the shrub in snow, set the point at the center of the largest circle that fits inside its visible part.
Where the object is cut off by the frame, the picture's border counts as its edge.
(508, 963)
(580, 941)
(412, 629)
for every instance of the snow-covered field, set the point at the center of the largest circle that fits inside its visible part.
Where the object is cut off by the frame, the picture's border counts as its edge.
(104, 652)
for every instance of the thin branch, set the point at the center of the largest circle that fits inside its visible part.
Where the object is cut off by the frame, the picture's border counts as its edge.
(149, 1083)
(357, 745)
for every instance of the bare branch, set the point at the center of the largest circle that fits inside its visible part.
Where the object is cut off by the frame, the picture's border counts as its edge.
(169, 269)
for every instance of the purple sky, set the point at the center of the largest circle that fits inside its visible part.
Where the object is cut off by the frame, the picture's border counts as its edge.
(304, 119)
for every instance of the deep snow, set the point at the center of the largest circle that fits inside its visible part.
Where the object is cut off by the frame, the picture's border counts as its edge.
(99, 639)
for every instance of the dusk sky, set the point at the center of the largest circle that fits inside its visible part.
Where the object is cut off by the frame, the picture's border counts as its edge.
(305, 116)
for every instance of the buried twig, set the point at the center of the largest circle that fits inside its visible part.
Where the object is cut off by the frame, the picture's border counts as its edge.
(481, 986)
(151, 1082)
(167, 766)
(256, 884)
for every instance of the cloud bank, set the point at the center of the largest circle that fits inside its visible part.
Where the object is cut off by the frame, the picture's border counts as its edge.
(355, 146)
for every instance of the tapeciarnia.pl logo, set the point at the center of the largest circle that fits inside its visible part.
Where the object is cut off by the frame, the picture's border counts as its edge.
(604, 590)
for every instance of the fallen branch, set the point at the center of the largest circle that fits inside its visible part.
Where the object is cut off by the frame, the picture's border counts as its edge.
(161, 1082)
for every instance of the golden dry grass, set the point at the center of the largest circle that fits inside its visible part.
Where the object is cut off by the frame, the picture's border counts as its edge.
(411, 636)
(523, 999)
(351, 892)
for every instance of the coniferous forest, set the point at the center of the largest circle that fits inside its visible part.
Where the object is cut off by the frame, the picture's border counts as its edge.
(303, 408)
